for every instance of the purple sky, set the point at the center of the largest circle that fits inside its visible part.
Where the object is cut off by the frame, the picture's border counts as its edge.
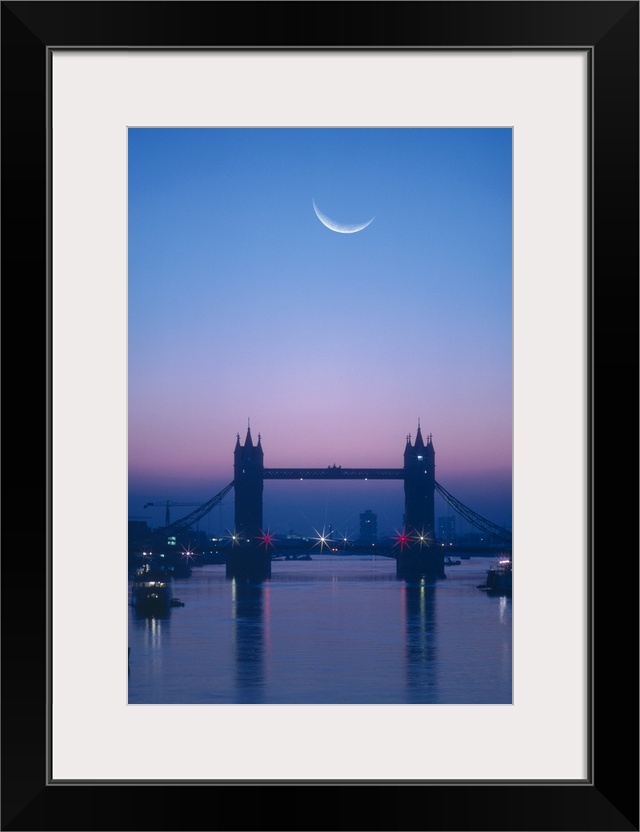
(242, 304)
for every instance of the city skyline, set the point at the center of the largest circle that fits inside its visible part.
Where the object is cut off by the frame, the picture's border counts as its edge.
(245, 304)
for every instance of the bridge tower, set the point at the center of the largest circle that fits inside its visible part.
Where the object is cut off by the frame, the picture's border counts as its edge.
(419, 486)
(248, 467)
(424, 557)
(248, 558)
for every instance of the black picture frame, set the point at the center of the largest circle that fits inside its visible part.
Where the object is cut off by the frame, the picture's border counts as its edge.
(608, 799)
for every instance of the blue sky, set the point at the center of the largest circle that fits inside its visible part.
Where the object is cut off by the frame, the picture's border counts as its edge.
(242, 304)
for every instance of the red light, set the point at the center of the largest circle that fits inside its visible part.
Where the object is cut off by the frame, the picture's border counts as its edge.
(402, 539)
(266, 538)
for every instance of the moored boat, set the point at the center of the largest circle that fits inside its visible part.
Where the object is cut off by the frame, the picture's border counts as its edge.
(499, 579)
(151, 589)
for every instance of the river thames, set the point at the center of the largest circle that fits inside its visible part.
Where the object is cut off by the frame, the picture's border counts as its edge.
(333, 630)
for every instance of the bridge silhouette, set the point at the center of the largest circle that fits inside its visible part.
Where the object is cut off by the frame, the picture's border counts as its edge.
(417, 550)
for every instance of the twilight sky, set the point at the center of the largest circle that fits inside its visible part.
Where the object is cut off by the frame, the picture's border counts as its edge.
(243, 305)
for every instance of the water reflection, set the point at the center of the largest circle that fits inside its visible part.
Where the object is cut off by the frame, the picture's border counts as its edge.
(154, 626)
(248, 612)
(347, 632)
(418, 600)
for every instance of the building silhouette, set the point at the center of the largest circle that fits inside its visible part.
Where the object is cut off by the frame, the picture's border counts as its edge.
(447, 529)
(368, 527)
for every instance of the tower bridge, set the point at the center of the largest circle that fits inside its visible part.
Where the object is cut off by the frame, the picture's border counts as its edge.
(250, 557)
(417, 473)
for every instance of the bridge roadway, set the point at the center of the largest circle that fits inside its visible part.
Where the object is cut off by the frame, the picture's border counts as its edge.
(387, 547)
(333, 472)
(328, 547)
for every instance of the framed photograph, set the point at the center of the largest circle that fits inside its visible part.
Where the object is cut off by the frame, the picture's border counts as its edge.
(495, 145)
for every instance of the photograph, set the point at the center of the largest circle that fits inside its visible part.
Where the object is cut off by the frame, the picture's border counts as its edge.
(334, 306)
(320, 415)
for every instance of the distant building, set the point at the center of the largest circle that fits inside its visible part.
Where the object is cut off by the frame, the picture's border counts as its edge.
(140, 537)
(447, 529)
(138, 528)
(139, 534)
(368, 527)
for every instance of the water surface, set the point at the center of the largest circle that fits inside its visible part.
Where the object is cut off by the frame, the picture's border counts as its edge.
(333, 630)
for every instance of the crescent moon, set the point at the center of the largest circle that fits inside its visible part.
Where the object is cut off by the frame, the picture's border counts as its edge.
(341, 228)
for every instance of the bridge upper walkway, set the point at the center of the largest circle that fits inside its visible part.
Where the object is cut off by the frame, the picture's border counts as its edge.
(333, 472)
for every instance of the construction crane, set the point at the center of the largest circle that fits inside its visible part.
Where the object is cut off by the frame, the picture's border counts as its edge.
(167, 504)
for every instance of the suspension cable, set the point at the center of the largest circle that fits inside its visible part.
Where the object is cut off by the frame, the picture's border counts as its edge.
(197, 515)
(473, 518)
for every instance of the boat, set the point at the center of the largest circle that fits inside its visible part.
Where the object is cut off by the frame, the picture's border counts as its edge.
(499, 579)
(450, 562)
(151, 589)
